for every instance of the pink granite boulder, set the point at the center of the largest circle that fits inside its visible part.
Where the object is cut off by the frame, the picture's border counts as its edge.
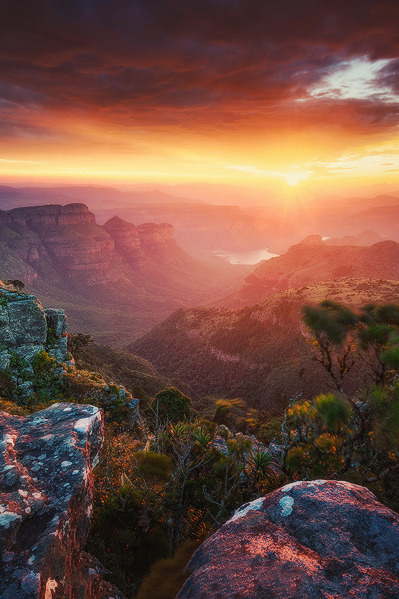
(307, 540)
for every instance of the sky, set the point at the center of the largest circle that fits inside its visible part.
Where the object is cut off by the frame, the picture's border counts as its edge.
(247, 92)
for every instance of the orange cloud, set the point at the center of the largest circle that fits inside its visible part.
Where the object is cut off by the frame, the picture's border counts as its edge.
(188, 87)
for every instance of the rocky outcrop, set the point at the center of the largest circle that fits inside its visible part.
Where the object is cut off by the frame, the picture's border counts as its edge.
(307, 540)
(46, 464)
(37, 217)
(26, 330)
(127, 242)
(313, 260)
(64, 243)
(156, 236)
(146, 244)
(35, 362)
(116, 280)
(60, 242)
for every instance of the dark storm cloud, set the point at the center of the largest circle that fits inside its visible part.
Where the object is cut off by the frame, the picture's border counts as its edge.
(147, 59)
(390, 75)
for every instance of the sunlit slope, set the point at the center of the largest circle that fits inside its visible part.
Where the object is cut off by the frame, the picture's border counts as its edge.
(312, 260)
(255, 352)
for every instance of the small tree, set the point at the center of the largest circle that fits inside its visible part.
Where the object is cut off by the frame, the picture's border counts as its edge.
(171, 405)
(378, 336)
(333, 326)
(336, 434)
(76, 341)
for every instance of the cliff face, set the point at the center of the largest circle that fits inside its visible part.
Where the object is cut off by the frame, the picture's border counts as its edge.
(147, 245)
(126, 239)
(46, 463)
(120, 278)
(308, 540)
(60, 242)
(38, 217)
(26, 330)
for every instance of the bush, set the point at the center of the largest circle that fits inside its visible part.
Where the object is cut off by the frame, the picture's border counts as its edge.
(46, 382)
(154, 465)
(172, 405)
(333, 410)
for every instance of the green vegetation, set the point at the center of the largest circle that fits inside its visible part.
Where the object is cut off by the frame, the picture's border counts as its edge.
(167, 576)
(135, 373)
(351, 437)
(255, 353)
(47, 382)
(51, 339)
(171, 405)
(76, 341)
(166, 482)
(158, 491)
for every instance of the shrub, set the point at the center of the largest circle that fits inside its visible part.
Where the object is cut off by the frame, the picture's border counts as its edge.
(333, 410)
(172, 405)
(154, 465)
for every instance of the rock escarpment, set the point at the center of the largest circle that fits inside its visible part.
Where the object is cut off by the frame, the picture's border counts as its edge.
(307, 540)
(253, 352)
(314, 260)
(115, 280)
(46, 477)
(64, 242)
(26, 330)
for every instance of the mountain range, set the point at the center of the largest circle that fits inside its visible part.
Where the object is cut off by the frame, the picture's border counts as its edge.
(115, 280)
(199, 225)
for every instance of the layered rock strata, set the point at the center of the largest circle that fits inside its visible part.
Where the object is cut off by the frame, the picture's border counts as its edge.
(61, 243)
(307, 540)
(46, 483)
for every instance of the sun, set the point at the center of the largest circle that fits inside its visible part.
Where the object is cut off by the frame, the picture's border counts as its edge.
(295, 177)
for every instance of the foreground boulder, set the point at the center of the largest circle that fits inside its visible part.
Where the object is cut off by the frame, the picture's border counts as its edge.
(308, 540)
(46, 484)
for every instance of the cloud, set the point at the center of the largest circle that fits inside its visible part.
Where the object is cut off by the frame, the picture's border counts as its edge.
(201, 64)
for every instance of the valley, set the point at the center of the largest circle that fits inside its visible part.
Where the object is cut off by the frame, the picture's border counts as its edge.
(256, 353)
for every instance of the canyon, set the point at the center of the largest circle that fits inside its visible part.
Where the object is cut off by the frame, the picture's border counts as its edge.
(116, 279)
(255, 352)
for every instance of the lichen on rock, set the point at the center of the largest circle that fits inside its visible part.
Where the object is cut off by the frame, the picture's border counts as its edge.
(27, 330)
(46, 479)
(308, 540)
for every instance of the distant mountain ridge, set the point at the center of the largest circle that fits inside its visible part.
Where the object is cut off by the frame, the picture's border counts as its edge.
(13, 197)
(198, 224)
(313, 260)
